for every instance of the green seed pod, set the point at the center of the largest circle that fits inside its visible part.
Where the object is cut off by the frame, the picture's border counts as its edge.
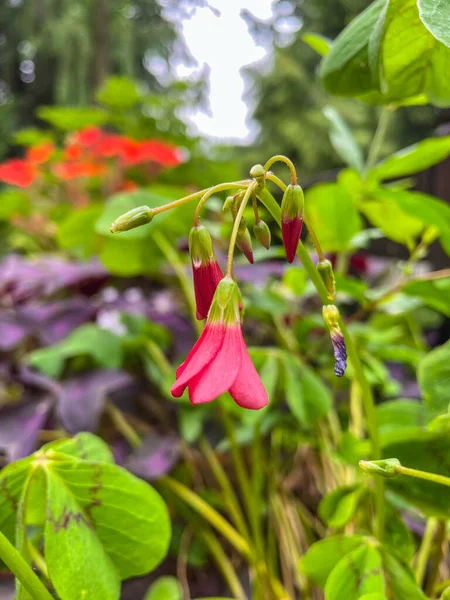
(385, 468)
(261, 232)
(133, 218)
(325, 269)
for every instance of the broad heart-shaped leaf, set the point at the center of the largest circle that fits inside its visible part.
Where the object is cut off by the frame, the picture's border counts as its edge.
(343, 141)
(165, 588)
(434, 379)
(399, 578)
(323, 556)
(332, 211)
(77, 563)
(101, 344)
(338, 507)
(435, 15)
(345, 69)
(357, 573)
(434, 294)
(135, 252)
(412, 159)
(307, 396)
(425, 451)
(83, 446)
(129, 517)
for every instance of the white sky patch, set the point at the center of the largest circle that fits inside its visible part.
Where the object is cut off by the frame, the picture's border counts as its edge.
(225, 45)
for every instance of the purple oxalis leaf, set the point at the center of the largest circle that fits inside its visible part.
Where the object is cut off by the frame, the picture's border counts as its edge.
(13, 332)
(83, 398)
(156, 457)
(20, 426)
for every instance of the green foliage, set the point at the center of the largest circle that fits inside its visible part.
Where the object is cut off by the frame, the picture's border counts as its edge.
(339, 506)
(343, 141)
(435, 15)
(434, 379)
(165, 588)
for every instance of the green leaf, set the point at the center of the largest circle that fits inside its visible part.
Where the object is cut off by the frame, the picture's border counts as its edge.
(434, 379)
(119, 93)
(322, 557)
(375, 596)
(359, 572)
(317, 42)
(307, 397)
(399, 414)
(351, 286)
(445, 594)
(397, 536)
(338, 507)
(332, 211)
(77, 232)
(413, 159)
(433, 293)
(294, 278)
(435, 15)
(12, 203)
(114, 499)
(84, 446)
(71, 118)
(77, 562)
(343, 141)
(102, 345)
(165, 588)
(400, 579)
(345, 70)
(192, 420)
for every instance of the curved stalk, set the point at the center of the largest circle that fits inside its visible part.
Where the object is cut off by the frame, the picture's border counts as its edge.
(222, 187)
(286, 161)
(235, 230)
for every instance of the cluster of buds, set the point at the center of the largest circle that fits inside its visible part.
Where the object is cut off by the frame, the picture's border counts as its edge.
(219, 362)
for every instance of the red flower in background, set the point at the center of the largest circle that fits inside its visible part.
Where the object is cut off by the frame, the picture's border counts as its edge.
(18, 172)
(74, 170)
(73, 152)
(87, 137)
(219, 362)
(41, 153)
(134, 153)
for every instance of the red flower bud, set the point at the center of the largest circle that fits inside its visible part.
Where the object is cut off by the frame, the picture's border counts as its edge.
(261, 232)
(292, 219)
(205, 269)
(244, 243)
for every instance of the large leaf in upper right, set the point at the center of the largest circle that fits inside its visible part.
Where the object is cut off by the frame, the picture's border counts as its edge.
(434, 379)
(435, 15)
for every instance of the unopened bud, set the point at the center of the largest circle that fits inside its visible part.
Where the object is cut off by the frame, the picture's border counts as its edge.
(244, 243)
(386, 468)
(292, 206)
(228, 203)
(331, 317)
(258, 173)
(261, 232)
(242, 226)
(200, 246)
(325, 269)
(133, 218)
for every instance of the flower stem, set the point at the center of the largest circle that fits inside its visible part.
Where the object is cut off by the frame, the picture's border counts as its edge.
(18, 566)
(434, 477)
(287, 161)
(255, 207)
(310, 228)
(237, 221)
(425, 549)
(378, 138)
(165, 207)
(214, 190)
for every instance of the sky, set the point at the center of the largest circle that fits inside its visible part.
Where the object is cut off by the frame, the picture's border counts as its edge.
(225, 44)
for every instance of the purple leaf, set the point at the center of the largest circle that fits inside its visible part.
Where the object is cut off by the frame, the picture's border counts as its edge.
(12, 334)
(83, 398)
(156, 457)
(20, 426)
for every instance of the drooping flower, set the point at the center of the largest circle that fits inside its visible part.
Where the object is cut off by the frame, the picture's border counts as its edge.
(205, 269)
(41, 153)
(18, 172)
(292, 219)
(331, 317)
(219, 361)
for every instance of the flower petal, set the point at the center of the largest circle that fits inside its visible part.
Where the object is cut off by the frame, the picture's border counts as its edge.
(206, 279)
(202, 353)
(248, 390)
(221, 372)
(291, 230)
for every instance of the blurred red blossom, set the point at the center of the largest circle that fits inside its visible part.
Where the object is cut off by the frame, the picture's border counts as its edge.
(18, 172)
(41, 153)
(73, 170)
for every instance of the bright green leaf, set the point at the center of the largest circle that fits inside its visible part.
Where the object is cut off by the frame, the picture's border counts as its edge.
(434, 293)
(434, 379)
(435, 15)
(165, 588)
(84, 446)
(400, 579)
(71, 118)
(338, 507)
(317, 42)
(77, 232)
(119, 93)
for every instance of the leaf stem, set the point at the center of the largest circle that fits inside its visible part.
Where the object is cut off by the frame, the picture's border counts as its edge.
(287, 161)
(425, 549)
(235, 230)
(214, 190)
(378, 138)
(434, 477)
(18, 566)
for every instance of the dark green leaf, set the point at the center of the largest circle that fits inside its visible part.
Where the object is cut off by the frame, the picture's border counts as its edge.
(397, 536)
(435, 15)
(400, 579)
(357, 573)
(398, 414)
(434, 379)
(338, 507)
(433, 293)
(323, 556)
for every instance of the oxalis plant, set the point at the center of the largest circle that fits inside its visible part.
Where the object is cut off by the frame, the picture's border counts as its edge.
(74, 525)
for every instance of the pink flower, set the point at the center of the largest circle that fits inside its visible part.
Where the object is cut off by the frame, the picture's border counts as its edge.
(291, 219)
(219, 362)
(205, 269)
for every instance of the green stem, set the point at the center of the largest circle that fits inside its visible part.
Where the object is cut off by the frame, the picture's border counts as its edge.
(401, 470)
(368, 402)
(165, 207)
(225, 565)
(122, 425)
(287, 161)
(18, 566)
(158, 357)
(235, 230)
(179, 268)
(436, 556)
(210, 514)
(222, 187)
(378, 138)
(425, 549)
